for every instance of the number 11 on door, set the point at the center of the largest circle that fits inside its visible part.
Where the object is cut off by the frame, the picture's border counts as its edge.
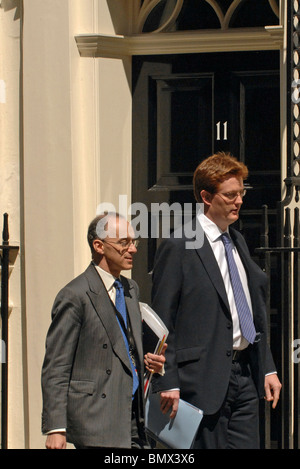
(225, 127)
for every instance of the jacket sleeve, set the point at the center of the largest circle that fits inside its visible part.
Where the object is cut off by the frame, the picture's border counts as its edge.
(61, 342)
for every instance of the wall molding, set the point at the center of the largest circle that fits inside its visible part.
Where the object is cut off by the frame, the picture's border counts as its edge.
(246, 39)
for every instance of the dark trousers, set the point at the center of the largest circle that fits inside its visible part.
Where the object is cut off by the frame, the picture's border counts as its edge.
(236, 425)
(138, 437)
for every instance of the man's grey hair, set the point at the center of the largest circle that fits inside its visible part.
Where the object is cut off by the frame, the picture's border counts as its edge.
(98, 227)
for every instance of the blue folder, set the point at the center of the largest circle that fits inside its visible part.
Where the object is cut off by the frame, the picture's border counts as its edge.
(177, 433)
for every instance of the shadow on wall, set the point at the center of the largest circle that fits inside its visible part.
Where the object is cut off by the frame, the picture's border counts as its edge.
(119, 13)
(8, 5)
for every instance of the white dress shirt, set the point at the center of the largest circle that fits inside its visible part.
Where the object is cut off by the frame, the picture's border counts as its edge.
(108, 279)
(213, 233)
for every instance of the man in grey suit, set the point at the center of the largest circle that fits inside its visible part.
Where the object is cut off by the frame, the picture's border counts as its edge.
(92, 376)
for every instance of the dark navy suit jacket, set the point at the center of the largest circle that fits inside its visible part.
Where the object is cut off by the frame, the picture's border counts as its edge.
(189, 295)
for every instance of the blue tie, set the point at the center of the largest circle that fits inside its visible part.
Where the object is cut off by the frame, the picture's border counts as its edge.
(244, 313)
(121, 307)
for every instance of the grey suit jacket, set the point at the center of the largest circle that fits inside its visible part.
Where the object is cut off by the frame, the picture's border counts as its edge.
(86, 375)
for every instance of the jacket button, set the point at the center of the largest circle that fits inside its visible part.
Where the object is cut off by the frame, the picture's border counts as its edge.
(104, 345)
(228, 353)
(103, 396)
(108, 372)
(229, 325)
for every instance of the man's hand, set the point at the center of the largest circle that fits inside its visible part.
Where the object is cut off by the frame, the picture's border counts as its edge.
(56, 441)
(272, 389)
(154, 363)
(169, 399)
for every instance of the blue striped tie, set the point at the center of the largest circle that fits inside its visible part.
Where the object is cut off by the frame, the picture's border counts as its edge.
(244, 313)
(121, 307)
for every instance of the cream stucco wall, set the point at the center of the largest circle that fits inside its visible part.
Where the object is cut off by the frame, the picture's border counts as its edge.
(11, 202)
(77, 154)
(63, 151)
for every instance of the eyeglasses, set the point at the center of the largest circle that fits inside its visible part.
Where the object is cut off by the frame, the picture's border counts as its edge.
(232, 196)
(124, 243)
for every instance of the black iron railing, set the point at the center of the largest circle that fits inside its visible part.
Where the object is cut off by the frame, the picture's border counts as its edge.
(8, 255)
(281, 263)
(281, 428)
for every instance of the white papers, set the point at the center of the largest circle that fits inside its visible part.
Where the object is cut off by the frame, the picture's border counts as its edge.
(155, 334)
(177, 433)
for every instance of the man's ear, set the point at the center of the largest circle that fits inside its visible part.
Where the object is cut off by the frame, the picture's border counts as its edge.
(98, 246)
(206, 197)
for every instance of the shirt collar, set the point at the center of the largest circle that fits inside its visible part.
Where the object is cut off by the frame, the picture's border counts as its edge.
(212, 231)
(107, 278)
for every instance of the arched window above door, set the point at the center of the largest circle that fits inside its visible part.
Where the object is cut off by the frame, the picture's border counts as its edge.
(199, 26)
(184, 15)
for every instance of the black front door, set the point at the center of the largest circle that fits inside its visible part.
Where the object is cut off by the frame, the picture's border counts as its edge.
(185, 108)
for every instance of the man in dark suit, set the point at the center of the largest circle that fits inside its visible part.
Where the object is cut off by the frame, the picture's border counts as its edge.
(92, 377)
(209, 361)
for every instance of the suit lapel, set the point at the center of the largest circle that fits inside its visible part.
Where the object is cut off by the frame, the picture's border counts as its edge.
(106, 313)
(211, 266)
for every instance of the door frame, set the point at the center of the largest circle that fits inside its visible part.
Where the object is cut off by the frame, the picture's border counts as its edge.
(124, 47)
(198, 41)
